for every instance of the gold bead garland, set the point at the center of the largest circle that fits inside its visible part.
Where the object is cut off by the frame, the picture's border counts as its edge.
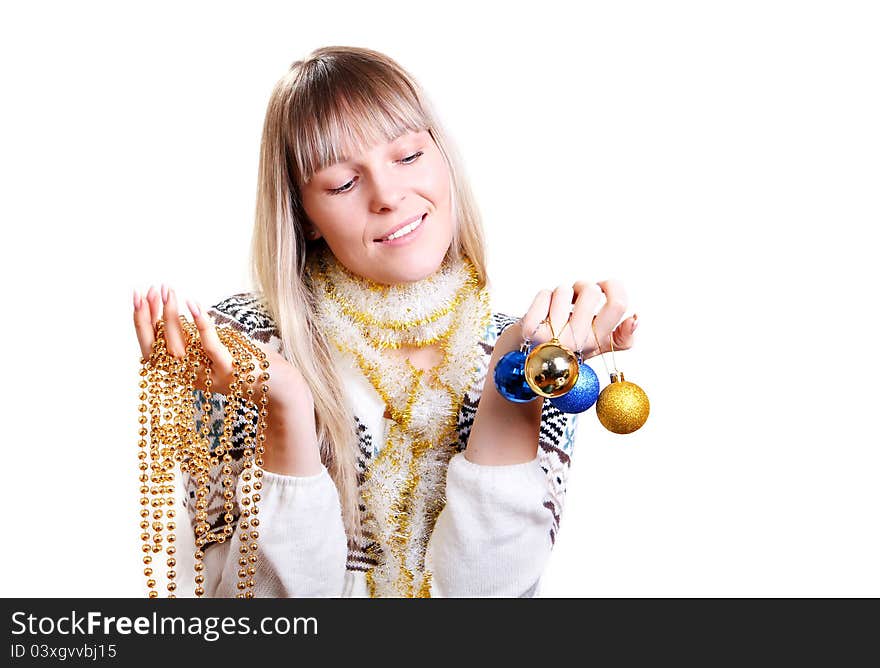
(167, 385)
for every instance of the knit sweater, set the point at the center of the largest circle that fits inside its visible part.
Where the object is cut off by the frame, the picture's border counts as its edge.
(492, 538)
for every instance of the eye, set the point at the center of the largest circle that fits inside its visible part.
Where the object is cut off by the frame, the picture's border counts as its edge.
(344, 188)
(410, 159)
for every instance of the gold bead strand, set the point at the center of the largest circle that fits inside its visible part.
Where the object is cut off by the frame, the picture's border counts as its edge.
(214, 458)
(163, 490)
(202, 460)
(199, 456)
(240, 363)
(246, 570)
(249, 566)
(184, 416)
(258, 471)
(156, 433)
(167, 386)
(143, 467)
(183, 456)
(230, 413)
(179, 434)
(231, 409)
(252, 487)
(172, 444)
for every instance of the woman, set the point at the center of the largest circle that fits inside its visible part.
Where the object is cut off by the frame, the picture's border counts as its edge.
(371, 301)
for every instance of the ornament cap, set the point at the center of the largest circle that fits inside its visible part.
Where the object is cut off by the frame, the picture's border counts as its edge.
(617, 376)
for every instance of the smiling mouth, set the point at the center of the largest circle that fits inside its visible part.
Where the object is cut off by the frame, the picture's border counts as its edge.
(404, 231)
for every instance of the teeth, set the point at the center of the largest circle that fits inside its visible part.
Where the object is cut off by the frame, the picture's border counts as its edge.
(404, 230)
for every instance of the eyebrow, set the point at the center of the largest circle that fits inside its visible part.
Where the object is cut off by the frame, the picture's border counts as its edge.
(349, 160)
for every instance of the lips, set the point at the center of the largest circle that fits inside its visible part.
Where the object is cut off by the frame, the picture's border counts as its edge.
(400, 226)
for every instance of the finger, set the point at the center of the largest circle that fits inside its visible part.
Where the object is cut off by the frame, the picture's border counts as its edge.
(588, 298)
(611, 312)
(142, 326)
(174, 336)
(560, 309)
(221, 358)
(531, 321)
(154, 300)
(624, 335)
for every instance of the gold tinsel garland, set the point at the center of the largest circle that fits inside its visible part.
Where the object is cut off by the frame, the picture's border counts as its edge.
(403, 487)
(167, 393)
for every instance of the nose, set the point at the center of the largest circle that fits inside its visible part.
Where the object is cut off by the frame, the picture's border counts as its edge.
(387, 192)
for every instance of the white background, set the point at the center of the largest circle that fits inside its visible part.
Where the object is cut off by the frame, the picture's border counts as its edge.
(719, 158)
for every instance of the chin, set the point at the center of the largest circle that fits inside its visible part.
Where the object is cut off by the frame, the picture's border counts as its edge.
(416, 265)
(414, 272)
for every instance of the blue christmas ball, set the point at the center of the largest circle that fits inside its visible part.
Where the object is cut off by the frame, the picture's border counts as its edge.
(582, 395)
(510, 378)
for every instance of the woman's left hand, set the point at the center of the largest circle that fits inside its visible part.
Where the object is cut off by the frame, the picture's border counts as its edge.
(587, 298)
(503, 431)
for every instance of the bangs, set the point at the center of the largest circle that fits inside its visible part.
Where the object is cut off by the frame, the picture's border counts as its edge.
(338, 112)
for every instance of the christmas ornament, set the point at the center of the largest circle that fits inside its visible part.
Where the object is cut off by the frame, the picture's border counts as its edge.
(510, 379)
(582, 395)
(551, 369)
(167, 390)
(622, 407)
(585, 390)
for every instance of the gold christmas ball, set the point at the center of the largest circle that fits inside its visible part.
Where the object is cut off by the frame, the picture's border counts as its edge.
(551, 370)
(622, 407)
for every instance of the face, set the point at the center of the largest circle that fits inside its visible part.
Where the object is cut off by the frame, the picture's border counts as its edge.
(356, 204)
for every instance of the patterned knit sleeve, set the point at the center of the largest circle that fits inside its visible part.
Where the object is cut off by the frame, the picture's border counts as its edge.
(498, 527)
(300, 536)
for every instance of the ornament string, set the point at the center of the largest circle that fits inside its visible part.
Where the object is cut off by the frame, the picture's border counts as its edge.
(579, 350)
(553, 335)
(599, 345)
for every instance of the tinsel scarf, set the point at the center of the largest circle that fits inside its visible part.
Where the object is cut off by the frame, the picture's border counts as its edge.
(404, 486)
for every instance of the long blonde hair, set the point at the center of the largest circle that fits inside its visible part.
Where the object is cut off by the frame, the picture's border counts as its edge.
(337, 100)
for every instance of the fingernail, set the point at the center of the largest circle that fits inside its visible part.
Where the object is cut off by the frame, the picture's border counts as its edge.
(137, 300)
(164, 294)
(151, 292)
(194, 308)
(635, 322)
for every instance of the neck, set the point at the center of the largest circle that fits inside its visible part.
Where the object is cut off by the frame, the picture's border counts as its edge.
(416, 314)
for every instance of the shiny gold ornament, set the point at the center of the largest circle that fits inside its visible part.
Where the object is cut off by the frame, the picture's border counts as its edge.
(551, 370)
(167, 386)
(622, 406)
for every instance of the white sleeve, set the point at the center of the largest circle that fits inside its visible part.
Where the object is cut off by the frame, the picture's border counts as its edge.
(302, 546)
(493, 536)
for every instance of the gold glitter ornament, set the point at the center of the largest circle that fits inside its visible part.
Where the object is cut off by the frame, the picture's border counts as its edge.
(167, 386)
(622, 407)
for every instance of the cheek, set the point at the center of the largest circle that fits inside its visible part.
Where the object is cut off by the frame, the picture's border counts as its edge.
(330, 215)
(437, 183)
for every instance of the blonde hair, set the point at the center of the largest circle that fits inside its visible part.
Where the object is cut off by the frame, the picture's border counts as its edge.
(338, 101)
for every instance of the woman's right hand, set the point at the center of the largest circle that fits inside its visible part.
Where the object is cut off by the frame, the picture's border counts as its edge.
(291, 442)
